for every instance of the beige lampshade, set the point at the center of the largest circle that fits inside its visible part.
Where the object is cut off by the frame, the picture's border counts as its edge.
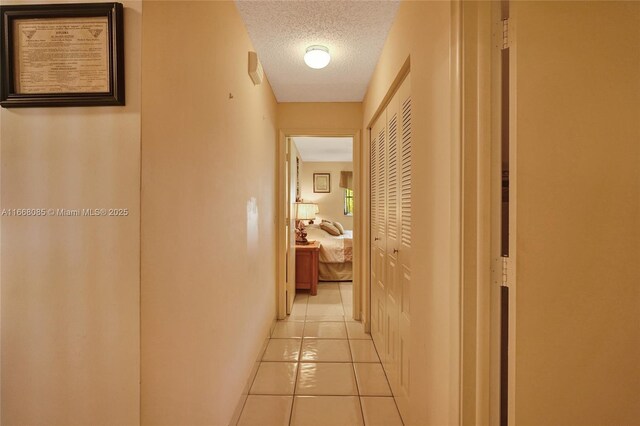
(305, 211)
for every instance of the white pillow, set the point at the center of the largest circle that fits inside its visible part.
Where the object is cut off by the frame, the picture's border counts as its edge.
(339, 226)
(330, 229)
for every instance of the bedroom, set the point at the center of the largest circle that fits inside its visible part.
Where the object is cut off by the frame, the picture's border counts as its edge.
(323, 207)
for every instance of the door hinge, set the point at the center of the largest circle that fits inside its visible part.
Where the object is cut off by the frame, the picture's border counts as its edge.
(505, 34)
(505, 271)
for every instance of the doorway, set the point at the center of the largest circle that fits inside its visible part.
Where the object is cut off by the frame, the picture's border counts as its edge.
(319, 197)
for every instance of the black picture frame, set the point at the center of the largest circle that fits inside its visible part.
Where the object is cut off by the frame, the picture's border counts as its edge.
(9, 98)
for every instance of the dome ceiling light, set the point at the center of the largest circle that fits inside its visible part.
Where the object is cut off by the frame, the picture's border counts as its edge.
(317, 57)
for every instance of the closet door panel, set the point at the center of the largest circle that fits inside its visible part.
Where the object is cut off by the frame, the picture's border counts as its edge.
(393, 178)
(382, 183)
(378, 227)
(392, 349)
(393, 294)
(373, 212)
(405, 158)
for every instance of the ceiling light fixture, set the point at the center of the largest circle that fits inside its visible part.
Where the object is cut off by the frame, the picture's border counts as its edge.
(317, 57)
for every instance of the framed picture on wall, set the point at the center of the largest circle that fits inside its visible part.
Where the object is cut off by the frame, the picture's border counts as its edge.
(321, 182)
(54, 55)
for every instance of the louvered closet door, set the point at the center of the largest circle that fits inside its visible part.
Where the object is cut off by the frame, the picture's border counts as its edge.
(404, 242)
(392, 336)
(378, 229)
(391, 185)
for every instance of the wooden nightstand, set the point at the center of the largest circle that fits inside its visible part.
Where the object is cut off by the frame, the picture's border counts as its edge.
(307, 257)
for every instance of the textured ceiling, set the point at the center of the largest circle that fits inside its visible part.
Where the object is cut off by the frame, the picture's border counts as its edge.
(354, 32)
(324, 149)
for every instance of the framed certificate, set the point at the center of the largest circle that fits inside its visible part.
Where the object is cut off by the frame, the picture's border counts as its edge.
(61, 55)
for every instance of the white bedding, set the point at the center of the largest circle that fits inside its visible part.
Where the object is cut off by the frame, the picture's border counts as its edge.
(335, 271)
(334, 249)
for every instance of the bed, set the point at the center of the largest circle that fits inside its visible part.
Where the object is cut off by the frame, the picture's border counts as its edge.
(336, 254)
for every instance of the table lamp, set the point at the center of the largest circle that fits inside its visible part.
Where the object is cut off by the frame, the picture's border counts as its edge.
(304, 211)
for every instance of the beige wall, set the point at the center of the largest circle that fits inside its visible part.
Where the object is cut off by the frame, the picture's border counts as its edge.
(319, 116)
(208, 231)
(331, 205)
(578, 212)
(70, 285)
(421, 31)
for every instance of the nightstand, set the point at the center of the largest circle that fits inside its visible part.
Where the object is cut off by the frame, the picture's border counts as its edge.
(307, 257)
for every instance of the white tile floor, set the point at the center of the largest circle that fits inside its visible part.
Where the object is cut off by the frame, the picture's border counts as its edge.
(320, 368)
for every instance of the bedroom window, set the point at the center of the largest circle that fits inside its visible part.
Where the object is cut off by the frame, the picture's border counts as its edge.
(348, 202)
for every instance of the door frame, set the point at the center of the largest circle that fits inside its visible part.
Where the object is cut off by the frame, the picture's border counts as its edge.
(475, 103)
(358, 215)
(365, 188)
(481, 187)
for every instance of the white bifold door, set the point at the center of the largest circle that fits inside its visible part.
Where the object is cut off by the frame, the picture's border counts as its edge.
(390, 207)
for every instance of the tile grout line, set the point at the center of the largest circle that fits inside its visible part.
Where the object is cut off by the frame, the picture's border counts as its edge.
(295, 380)
(353, 363)
(332, 395)
(348, 339)
(295, 385)
(245, 401)
(256, 375)
(252, 382)
(384, 371)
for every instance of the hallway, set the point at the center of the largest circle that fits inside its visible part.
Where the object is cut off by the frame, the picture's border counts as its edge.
(320, 368)
(519, 138)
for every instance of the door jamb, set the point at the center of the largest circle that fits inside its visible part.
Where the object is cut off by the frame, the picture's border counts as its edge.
(481, 192)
